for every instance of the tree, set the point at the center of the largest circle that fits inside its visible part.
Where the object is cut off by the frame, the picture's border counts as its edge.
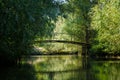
(105, 19)
(21, 21)
(78, 21)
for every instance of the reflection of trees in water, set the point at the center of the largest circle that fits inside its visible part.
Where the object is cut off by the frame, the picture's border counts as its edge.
(56, 63)
(64, 68)
(105, 70)
(59, 67)
(61, 75)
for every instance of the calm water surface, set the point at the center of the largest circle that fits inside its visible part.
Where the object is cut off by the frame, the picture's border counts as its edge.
(62, 68)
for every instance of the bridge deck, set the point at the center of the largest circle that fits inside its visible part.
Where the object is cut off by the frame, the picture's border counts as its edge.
(61, 41)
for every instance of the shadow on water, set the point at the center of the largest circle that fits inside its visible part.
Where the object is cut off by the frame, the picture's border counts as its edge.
(25, 72)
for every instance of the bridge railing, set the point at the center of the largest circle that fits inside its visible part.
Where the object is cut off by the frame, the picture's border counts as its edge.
(61, 36)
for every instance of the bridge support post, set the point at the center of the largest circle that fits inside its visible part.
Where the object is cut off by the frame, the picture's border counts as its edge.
(84, 50)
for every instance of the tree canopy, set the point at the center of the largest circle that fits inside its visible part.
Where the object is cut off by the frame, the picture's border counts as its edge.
(105, 19)
(91, 21)
(23, 20)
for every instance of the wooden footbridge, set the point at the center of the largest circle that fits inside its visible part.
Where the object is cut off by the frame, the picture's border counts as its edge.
(62, 41)
(71, 41)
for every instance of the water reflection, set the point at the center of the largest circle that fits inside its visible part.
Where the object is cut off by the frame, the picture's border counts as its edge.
(58, 67)
(62, 68)
(104, 70)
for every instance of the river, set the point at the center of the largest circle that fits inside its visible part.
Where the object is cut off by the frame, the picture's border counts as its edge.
(65, 67)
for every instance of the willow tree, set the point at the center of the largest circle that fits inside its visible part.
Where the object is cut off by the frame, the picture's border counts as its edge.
(20, 22)
(105, 17)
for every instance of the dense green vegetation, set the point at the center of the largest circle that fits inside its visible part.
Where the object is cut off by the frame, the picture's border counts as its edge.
(105, 23)
(91, 21)
(78, 21)
(21, 21)
(95, 22)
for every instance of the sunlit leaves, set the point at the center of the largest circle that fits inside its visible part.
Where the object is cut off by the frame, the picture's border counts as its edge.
(105, 20)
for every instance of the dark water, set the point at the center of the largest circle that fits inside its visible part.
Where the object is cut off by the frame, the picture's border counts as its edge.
(62, 68)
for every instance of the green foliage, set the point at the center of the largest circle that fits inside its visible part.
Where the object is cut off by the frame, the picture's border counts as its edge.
(77, 20)
(105, 19)
(20, 22)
